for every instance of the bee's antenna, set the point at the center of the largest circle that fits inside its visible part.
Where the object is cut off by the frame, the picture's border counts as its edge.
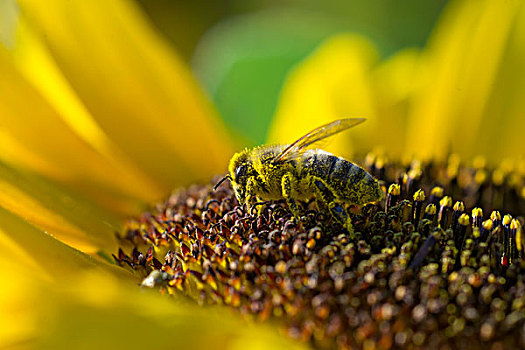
(227, 177)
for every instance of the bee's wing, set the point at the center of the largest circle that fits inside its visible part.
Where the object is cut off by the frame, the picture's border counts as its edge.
(298, 147)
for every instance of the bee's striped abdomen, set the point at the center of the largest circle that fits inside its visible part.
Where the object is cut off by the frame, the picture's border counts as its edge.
(333, 169)
(343, 171)
(348, 181)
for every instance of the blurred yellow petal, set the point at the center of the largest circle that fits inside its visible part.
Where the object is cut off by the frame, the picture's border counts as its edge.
(464, 93)
(34, 62)
(34, 128)
(501, 132)
(42, 255)
(332, 83)
(459, 71)
(134, 87)
(8, 19)
(394, 82)
(94, 310)
(341, 79)
(67, 216)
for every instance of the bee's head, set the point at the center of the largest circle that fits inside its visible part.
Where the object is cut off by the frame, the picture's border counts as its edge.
(241, 168)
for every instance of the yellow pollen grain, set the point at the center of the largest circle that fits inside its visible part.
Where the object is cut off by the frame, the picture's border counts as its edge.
(394, 190)
(487, 224)
(477, 212)
(495, 215)
(459, 206)
(414, 174)
(437, 191)
(419, 196)
(498, 176)
(446, 201)
(481, 176)
(519, 234)
(430, 209)
(280, 267)
(464, 220)
(311, 243)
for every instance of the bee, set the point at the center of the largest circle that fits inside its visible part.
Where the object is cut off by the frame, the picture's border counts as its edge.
(296, 173)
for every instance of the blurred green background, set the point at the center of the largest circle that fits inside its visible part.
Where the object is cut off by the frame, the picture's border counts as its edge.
(242, 50)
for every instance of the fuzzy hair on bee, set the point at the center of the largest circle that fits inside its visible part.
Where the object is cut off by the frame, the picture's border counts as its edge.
(295, 173)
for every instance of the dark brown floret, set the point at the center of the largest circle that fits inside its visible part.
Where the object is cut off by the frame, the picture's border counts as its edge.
(418, 274)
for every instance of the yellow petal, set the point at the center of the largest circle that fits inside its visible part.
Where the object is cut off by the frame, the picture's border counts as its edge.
(69, 217)
(136, 89)
(35, 136)
(333, 83)
(459, 71)
(97, 311)
(501, 131)
(42, 255)
(394, 82)
(35, 63)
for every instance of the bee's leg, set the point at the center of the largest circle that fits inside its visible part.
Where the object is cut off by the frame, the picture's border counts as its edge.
(251, 190)
(327, 201)
(287, 186)
(340, 214)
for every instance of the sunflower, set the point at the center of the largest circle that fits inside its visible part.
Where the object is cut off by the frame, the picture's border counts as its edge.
(67, 179)
(100, 118)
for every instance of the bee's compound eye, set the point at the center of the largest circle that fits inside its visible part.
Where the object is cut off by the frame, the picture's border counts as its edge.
(240, 172)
